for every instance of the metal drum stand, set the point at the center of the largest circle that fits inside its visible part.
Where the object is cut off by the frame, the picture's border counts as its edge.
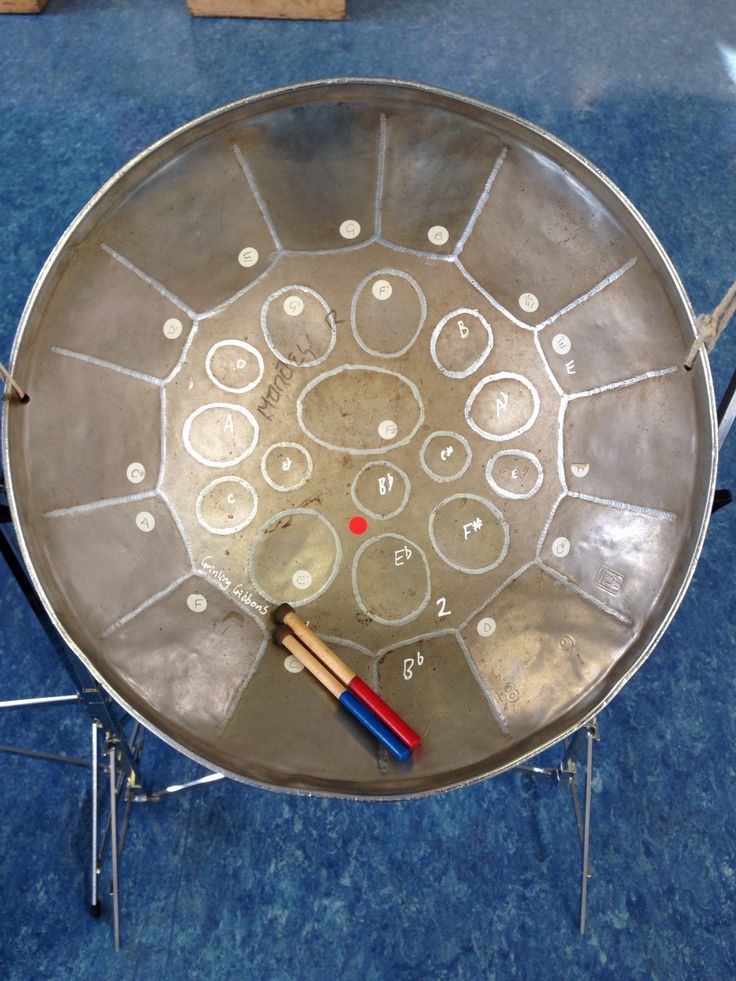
(116, 743)
(121, 739)
(577, 755)
(579, 746)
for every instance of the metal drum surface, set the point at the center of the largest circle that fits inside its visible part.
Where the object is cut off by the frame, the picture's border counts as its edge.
(372, 300)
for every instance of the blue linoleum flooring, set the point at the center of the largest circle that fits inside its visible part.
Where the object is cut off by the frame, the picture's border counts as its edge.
(233, 882)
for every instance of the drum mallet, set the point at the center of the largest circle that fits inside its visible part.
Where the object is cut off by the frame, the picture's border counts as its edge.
(283, 636)
(286, 615)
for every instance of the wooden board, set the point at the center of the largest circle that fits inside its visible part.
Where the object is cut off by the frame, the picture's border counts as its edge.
(284, 9)
(22, 6)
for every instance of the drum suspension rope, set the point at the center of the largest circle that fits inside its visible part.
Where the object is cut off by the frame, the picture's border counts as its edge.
(8, 378)
(710, 326)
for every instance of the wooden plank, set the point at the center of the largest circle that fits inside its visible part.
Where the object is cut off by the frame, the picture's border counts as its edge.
(283, 9)
(22, 6)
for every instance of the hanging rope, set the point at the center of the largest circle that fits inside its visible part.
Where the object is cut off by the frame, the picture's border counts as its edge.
(710, 326)
(13, 383)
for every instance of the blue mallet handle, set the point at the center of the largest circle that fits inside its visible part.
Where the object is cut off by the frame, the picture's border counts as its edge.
(382, 733)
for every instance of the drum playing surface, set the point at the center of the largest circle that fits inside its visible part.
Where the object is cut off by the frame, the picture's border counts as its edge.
(393, 357)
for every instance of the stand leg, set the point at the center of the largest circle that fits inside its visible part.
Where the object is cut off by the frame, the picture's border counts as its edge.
(586, 828)
(572, 771)
(105, 717)
(95, 699)
(96, 905)
(112, 749)
(727, 411)
(176, 788)
(567, 773)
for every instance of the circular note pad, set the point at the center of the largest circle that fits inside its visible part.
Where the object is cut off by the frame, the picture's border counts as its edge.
(374, 301)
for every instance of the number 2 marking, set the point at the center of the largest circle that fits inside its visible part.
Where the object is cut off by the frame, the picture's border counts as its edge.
(443, 611)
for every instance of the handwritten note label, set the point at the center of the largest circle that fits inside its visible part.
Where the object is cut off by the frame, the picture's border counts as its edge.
(561, 344)
(293, 305)
(442, 608)
(528, 302)
(486, 626)
(136, 472)
(409, 663)
(248, 257)
(350, 228)
(385, 484)
(438, 234)
(402, 555)
(302, 579)
(382, 289)
(145, 521)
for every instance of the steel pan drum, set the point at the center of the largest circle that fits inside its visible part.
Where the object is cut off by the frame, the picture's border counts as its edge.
(371, 300)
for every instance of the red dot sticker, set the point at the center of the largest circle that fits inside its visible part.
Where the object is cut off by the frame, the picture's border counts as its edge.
(358, 525)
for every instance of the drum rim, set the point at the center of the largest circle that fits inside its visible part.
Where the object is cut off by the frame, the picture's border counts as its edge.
(702, 366)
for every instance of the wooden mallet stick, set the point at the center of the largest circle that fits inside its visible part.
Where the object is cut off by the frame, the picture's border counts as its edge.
(286, 615)
(23, 396)
(283, 636)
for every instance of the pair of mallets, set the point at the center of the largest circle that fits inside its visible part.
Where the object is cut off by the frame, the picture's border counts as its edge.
(349, 689)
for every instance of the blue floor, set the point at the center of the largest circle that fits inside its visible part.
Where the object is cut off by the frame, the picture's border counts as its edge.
(479, 883)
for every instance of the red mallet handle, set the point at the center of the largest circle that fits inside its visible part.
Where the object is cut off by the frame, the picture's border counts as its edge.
(385, 713)
(346, 698)
(285, 614)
